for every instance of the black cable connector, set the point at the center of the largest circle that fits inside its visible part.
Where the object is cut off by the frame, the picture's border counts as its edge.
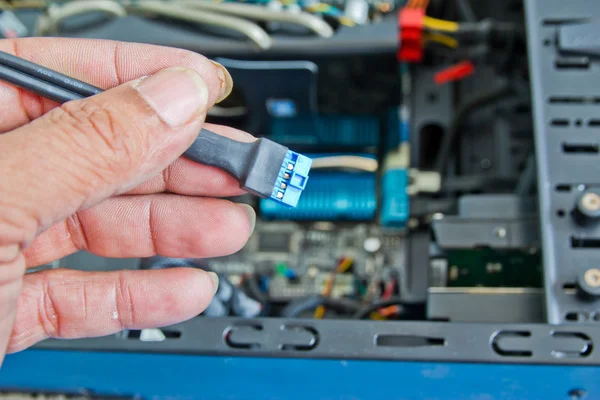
(263, 167)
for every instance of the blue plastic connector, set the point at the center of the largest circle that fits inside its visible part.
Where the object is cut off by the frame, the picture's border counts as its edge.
(394, 199)
(292, 179)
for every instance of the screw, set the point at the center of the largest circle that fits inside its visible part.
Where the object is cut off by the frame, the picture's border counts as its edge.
(591, 201)
(485, 163)
(592, 277)
(500, 232)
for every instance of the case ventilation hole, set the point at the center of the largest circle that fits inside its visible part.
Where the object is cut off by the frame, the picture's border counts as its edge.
(580, 148)
(574, 316)
(254, 336)
(408, 341)
(511, 343)
(153, 335)
(571, 345)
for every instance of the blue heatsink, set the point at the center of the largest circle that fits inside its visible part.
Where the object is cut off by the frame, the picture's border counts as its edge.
(339, 131)
(330, 196)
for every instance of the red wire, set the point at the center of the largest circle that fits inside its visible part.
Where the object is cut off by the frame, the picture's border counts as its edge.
(389, 290)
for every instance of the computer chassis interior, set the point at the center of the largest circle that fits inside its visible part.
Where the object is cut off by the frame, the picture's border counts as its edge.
(453, 205)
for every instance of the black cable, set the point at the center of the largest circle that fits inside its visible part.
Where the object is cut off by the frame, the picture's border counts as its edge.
(462, 112)
(254, 290)
(256, 165)
(473, 52)
(48, 75)
(465, 11)
(37, 86)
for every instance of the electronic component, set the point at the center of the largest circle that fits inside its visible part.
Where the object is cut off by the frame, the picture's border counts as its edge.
(395, 186)
(274, 241)
(284, 289)
(410, 23)
(394, 198)
(292, 179)
(331, 196)
(494, 268)
(262, 167)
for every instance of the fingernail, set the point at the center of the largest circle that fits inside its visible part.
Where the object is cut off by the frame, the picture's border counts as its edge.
(251, 215)
(226, 81)
(177, 95)
(215, 279)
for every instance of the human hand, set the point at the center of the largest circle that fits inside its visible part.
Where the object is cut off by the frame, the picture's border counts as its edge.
(104, 175)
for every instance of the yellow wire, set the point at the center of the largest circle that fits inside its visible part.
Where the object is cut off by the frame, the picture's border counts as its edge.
(320, 312)
(342, 267)
(376, 316)
(318, 7)
(347, 21)
(440, 24)
(442, 39)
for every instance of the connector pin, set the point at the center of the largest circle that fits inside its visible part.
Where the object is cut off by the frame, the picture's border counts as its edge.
(292, 179)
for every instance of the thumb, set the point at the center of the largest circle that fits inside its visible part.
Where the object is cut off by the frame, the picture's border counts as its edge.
(87, 150)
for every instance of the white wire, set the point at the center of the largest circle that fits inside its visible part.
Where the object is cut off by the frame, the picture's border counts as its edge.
(49, 22)
(261, 13)
(247, 28)
(350, 162)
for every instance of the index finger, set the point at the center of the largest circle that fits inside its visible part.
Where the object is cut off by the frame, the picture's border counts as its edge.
(101, 63)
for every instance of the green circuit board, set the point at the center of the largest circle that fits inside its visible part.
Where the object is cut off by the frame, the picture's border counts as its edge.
(494, 268)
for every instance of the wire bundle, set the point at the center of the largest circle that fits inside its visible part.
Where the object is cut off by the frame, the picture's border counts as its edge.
(343, 266)
(40, 80)
(239, 17)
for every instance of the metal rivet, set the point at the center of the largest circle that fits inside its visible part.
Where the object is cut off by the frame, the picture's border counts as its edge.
(592, 277)
(591, 201)
(500, 232)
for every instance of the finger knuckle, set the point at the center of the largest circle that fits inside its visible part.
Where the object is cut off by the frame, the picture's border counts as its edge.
(100, 129)
(124, 304)
(49, 315)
